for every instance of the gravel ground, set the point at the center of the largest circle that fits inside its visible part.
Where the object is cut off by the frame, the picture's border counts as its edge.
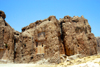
(90, 61)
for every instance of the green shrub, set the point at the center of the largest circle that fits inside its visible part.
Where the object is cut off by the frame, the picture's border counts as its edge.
(6, 45)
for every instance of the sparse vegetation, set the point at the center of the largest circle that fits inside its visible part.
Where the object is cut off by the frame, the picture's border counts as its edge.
(6, 45)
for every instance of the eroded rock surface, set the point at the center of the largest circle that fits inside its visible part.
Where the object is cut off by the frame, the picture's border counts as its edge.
(6, 40)
(98, 44)
(2, 14)
(47, 39)
(77, 36)
(40, 40)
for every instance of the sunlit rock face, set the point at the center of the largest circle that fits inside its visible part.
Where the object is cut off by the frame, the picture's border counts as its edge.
(77, 36)
(98, 44)
(40, 40)
(6, 39)
(47, 39)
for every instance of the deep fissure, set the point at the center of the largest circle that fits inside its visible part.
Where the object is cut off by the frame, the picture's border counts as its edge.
(62, 35)
(14, 49)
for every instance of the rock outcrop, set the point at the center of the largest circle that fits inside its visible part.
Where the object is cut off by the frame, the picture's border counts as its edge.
(7, 37)
(98, 44)
(2, 14)
(40, 40)
(77, 37)
(47, 39)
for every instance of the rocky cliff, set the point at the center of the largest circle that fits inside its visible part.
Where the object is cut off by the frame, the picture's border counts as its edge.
(48, 39)
(77, 36)
(6, 39)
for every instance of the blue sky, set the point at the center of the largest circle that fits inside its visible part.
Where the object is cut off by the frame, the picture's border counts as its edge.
(20, 13)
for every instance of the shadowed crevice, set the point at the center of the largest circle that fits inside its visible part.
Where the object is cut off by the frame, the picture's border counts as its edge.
(62, 35)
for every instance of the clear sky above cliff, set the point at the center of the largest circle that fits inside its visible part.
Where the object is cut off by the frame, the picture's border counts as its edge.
(20, 13)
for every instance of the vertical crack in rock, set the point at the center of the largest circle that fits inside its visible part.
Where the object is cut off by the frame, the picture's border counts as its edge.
(98, 44)
(14, 49)
(62, 35)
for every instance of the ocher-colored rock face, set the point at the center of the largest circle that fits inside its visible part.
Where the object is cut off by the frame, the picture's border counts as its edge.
(77, 36)
(40, 42)
(6, 40)
(98, 41)
(98, 44)
(51, 38)
(47, 39)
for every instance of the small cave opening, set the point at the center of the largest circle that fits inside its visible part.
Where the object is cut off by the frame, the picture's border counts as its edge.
(24, 45)
(3, 31)
(49, 19)
(78, 45)
(31, 58)
(17, 34)
(74, 21)
(36, 44)
(42, 45)
(89, 38)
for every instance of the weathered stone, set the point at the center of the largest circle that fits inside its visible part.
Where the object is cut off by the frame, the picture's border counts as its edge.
(98, 41)
(43, 40)
(6, 40)
(75, 19)
(77, 37)
(47, 39)
(2, 14)
(98, 44)
(68, 36)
